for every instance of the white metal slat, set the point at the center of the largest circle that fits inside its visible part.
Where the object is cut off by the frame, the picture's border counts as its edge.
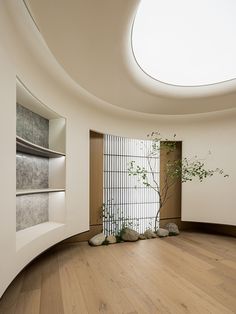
(117, 179)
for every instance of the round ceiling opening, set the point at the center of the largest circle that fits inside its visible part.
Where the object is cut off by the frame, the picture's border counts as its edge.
(186, 42)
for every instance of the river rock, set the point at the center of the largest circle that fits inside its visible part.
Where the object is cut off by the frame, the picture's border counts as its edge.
(149, 234)
(162, 232)
(129, 235)
(111, 239)
(97, 239)
(142, 237)
(172, 228)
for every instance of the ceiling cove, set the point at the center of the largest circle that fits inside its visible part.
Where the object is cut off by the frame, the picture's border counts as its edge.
(91, 41)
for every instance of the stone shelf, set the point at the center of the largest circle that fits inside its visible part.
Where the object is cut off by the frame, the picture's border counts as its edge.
(37, 191)
(27, 147)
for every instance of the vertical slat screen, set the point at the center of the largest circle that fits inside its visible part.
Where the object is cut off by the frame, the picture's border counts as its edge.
(127, 201)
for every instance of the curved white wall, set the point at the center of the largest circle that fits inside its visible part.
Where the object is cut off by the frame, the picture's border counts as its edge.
(24, 54)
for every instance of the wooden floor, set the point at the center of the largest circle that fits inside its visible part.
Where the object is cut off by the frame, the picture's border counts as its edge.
(191, 273)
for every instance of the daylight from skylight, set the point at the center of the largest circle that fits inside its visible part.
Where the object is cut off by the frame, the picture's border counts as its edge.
(186, 42)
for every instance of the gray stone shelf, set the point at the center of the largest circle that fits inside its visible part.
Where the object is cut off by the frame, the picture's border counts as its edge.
(37, 191)
(27, 147)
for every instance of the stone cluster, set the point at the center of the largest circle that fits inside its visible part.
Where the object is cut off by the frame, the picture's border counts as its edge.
(130, 235)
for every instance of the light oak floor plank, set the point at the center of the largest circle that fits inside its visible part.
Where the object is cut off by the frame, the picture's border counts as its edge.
(51, 294)
(28, 302)
(191, 273)
(9, 300)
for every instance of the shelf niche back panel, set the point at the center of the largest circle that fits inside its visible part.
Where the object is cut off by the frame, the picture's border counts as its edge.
(31, 210)
(32, 127)
(31, 172)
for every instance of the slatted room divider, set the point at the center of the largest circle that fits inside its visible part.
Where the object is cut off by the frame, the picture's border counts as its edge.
(127, 201)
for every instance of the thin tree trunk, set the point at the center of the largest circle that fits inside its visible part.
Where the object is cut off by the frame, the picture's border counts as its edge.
(156, 218)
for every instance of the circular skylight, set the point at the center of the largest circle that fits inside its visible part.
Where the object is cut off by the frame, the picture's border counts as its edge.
(186, 42)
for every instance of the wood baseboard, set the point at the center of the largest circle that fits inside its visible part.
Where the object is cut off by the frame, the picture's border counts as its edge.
(200, 226)
(210, 228)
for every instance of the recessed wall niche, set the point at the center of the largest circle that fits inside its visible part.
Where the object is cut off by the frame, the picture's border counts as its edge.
(40, 167)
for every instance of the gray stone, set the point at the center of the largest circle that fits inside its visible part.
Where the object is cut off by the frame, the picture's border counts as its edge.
(162, 232)
(97, 239)
(111, 239)
(31, 126)
(31, 172)
(142, 237)
(149, 234)
(172, 228)
(31, 210)
(129, 235)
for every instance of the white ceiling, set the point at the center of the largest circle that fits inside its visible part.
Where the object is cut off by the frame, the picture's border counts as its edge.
(92, 41)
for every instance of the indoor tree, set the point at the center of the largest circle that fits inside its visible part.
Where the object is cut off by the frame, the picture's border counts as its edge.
(185, 169)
